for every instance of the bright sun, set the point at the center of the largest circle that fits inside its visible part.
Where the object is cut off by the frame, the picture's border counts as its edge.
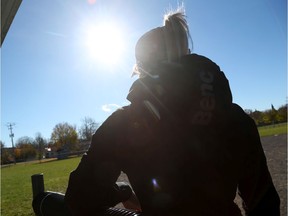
(105, 43)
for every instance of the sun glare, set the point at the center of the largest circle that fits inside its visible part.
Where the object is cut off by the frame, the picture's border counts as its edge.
(105, 43)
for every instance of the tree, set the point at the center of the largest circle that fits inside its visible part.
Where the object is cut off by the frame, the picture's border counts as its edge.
(282, 113)
(65, 137)
(257, 116)
(88, 128)
(273, 114)
(6, 156)
(25, 149)
(39, 143)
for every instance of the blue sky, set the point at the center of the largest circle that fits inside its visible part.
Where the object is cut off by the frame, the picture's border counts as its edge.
(50, 74)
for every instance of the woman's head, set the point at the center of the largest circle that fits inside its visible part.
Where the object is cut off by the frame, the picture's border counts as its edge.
(163, 44)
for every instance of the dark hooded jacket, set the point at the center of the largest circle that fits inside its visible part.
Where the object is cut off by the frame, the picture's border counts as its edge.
(185, 147)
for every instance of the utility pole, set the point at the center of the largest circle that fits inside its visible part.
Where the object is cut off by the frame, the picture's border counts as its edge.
(10, 128)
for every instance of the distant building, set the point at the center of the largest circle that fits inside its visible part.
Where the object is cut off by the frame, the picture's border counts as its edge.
(49, 153)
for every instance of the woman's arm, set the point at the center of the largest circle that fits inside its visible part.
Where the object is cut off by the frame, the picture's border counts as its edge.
(92, 186)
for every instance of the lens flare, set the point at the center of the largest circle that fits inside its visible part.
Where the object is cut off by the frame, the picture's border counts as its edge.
(91, 1)
(155, 184)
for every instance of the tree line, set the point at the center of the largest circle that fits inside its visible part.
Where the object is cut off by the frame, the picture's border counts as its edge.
(269, 116)
(66, 139)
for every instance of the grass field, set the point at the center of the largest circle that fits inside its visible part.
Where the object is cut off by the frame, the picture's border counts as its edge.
(273, 130)
(16, 190)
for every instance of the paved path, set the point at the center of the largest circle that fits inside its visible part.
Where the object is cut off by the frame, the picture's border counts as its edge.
(275, 148)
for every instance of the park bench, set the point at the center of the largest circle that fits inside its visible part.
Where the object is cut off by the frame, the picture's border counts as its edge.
(49, 203)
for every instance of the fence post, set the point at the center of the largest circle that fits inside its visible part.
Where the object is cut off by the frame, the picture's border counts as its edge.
(37, 184)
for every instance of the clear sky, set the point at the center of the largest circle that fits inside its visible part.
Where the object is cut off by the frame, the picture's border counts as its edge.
(51, 73)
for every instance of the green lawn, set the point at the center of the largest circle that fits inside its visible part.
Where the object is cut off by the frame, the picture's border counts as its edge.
(273, 130)
(16, 188)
